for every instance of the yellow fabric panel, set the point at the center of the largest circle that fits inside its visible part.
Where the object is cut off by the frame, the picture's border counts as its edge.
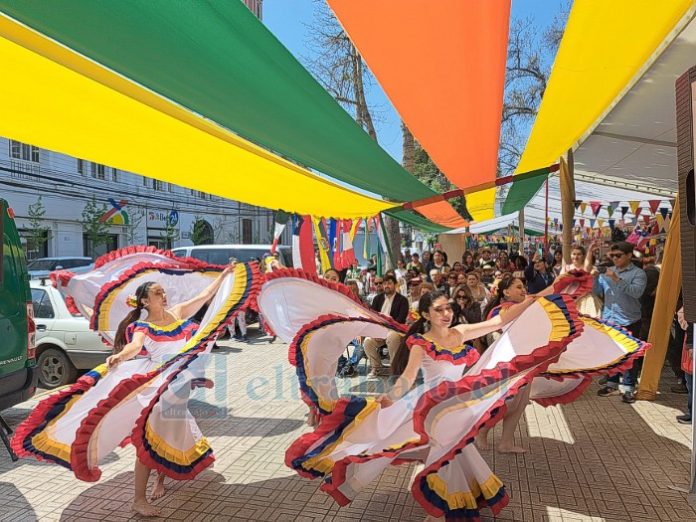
(481, 204)
(60, 101)
(604, 47)
(668, 288)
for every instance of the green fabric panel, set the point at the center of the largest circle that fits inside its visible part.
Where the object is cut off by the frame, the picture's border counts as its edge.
(523, 190)
(416, 220)
(217, 59)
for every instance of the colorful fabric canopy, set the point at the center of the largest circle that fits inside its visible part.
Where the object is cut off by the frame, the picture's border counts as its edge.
(214, 60)
(605, 49)
(453, 105)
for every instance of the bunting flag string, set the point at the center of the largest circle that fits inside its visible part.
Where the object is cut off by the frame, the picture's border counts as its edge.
(596, 206)
(654, 205)
(634, 206)
(322, 244)
(624, 211)
(664, 211)
(583, 207)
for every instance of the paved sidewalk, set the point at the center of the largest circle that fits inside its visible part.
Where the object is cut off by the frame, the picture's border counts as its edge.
(597, 459)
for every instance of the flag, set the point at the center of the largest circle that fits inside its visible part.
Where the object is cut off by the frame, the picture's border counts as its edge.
(654, 204)
(322, 244)
(280, 219)
(333, 238)
(634, 206)
(583, 207)
(596, 206)
(664, 211)
(348, 254)
(303, 244)
(354, 228)
(624, 211)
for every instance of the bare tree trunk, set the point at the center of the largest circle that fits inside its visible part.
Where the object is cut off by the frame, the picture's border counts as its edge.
(409, 148)
(362, 111)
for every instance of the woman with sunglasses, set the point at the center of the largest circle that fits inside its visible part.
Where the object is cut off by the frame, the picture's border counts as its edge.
(466, 309)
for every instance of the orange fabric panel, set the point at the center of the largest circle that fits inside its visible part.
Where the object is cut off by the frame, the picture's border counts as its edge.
(442, 213)
(442, 65)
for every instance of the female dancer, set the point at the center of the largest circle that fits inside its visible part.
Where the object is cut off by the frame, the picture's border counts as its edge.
(136, 336)
(510, 290)
(140, 395)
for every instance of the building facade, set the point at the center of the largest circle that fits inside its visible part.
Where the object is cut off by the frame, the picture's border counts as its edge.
(58, 198)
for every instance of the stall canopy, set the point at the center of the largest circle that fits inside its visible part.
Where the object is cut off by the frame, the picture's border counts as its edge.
(610, 96)
(186, 92)
(442, 64)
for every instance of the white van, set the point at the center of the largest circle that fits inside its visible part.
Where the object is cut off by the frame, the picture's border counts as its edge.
(221, 254)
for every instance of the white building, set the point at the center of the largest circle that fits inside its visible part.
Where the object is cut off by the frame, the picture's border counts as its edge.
(139, 210)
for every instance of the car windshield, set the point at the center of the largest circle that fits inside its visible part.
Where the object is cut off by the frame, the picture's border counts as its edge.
(42, 264)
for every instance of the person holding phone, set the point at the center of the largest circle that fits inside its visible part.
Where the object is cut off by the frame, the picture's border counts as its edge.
(621, 287)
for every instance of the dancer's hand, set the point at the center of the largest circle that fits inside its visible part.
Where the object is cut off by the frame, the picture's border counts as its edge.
(229, 268)
(113, 360)
(384, 400)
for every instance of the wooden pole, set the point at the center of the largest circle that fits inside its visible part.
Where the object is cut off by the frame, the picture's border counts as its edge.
(520, 220)
(567, 184)
(546, 220)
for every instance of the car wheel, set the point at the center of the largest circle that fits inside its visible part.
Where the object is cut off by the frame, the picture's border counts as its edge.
(55, 369)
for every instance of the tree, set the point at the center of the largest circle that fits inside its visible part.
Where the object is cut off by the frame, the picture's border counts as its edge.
(96, 230)
(201, 232)
(38, 232)
(135, 218)
(338, 66)
(530, 57)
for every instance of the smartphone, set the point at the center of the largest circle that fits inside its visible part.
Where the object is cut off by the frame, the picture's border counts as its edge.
(602, 269)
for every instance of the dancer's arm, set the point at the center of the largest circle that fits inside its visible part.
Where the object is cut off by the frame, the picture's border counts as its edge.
(589, 257)
(129, 351)
(405, 381)
(474, 331)
(188, 308)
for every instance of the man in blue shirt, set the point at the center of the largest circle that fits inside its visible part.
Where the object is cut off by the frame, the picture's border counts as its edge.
(622, 287)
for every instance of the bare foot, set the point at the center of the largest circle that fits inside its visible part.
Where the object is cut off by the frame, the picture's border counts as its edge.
(482, 440)
(158, 490)
(510, 449)
(144, 509)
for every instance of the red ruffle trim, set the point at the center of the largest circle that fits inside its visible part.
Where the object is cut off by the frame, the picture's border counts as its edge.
(430, 348)
(128, 386)
(541, 358)
(60, 277)
(139, 249)
(582, 278)
(301, 274)
(38, 415)
(331, 319)
(132, 272)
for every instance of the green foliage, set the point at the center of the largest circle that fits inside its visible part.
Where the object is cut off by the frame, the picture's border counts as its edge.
(201, 232)
(426, 171)
(95, 229)
(38, 232)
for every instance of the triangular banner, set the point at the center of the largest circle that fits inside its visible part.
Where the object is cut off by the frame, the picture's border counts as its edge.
(646, 219)
(596, 206)
(654, 204)
(600, 222)
(634, 206)
(637, 211)
(592, 223)
(624, 211)
(583, 207)
(576, 204)
(612, 223)
(664, 211)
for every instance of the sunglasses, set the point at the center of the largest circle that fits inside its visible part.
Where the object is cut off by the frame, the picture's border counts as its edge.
(614, 256)
(461, 297)
(379, 282)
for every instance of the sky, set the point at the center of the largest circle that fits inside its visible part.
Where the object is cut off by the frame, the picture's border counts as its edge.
(289, 21)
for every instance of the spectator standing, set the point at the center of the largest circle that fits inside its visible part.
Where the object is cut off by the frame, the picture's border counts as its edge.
(622, 287)
(687, 364)
(468, 262)
(415, 263)
(537, 275)
(392, 303)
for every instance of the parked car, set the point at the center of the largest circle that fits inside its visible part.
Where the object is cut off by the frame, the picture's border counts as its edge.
(221, 254)
(64, 342)
(17, 354)
(43, 266)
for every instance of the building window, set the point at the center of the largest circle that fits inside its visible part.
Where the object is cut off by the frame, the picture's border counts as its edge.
(170, 187)
(19, 150)
(246, 231)
(114, 175)
(81, 166)
(157, 184)
(98, 171)
(145, 183)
